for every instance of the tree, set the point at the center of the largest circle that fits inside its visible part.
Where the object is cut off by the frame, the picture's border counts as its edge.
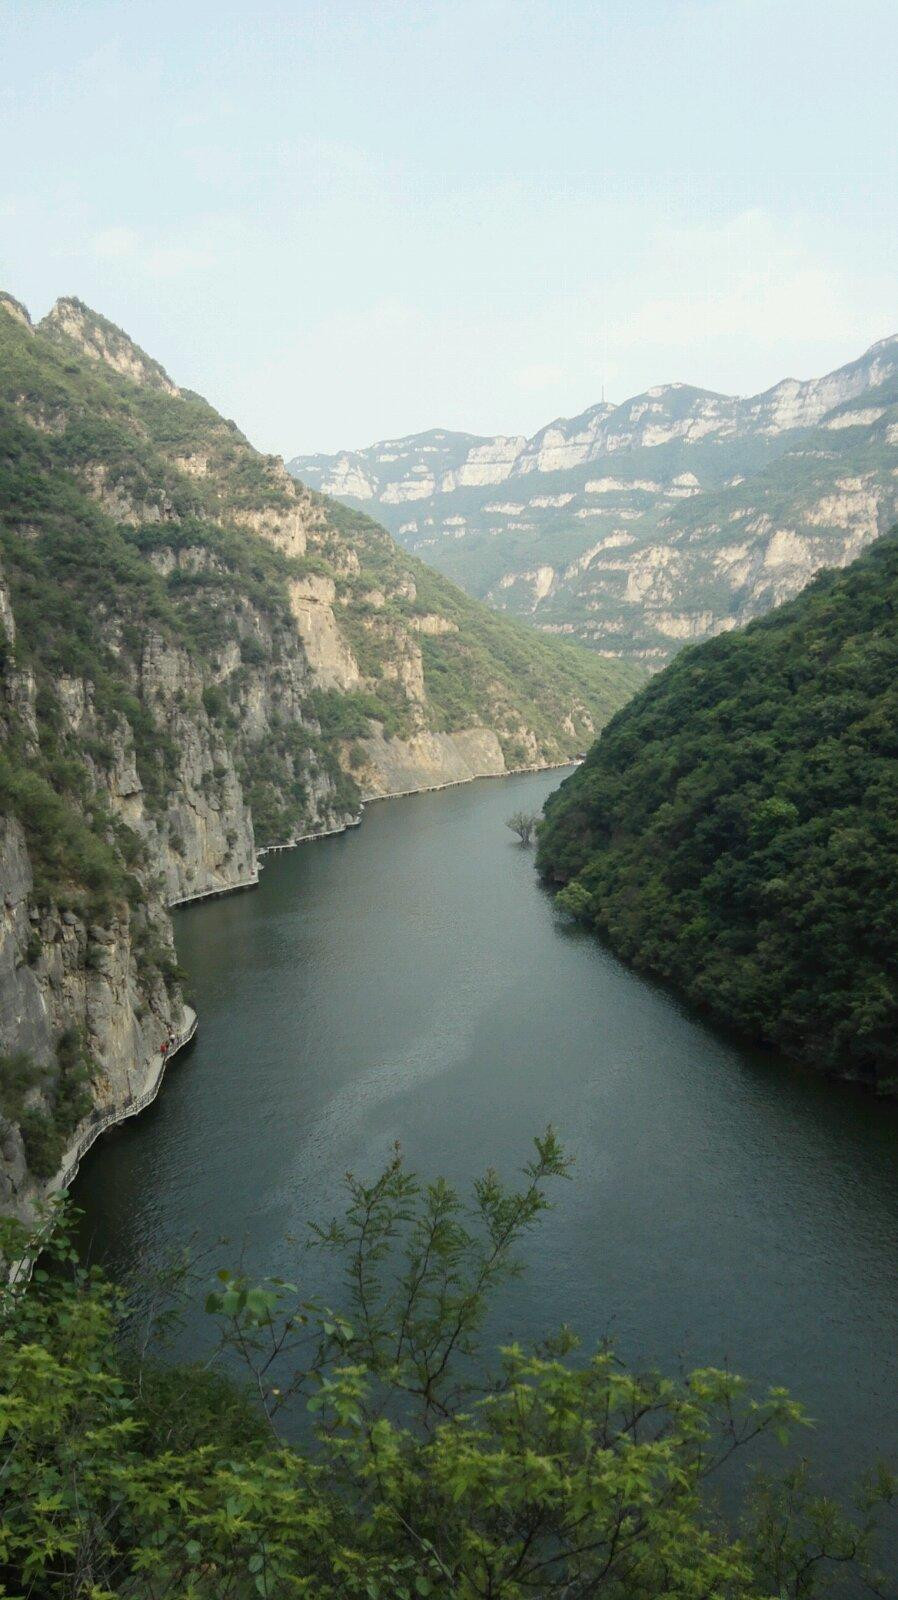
(429, 1471)
(524, 824)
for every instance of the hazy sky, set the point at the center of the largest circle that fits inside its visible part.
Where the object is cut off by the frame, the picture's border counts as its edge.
(343, 222)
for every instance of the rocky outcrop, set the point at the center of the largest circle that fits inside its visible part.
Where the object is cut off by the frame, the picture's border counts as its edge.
(285, 528)
(433, 626)
(57, 974)
(428, 761)
(24, 1014)
(16, 310)
(100, 340)
(328, 655)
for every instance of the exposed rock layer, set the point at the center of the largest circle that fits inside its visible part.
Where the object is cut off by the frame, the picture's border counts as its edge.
(198, 658)
(429, 761)
(711, 508)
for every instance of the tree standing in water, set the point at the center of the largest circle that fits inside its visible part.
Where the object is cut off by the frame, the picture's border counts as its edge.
(524, 824)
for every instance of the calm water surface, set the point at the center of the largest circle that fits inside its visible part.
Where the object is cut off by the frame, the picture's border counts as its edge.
(410, 980)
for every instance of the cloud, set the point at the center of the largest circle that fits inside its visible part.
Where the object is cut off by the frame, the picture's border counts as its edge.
(750, 283)
(540, 375)
(115, 244)
(157, 257)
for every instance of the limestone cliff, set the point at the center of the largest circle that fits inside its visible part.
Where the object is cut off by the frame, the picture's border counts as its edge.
(73, 995)
(428, 761)
(640, 526)
(199, 658)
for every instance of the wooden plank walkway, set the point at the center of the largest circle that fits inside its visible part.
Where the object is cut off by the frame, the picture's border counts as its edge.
(264, 850)
(98, 1121)
(218, 889)
(93, 1127)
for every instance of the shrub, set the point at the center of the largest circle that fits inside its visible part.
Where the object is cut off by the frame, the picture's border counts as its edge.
(44, 1142)
(18, 1074)
(426, 1470)
(215, 702)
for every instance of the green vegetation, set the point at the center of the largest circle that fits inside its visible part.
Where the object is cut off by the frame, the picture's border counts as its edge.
(65, 1099)
(735, 829)
(425, 1471)
(277, 773)
(348, 716)
(73, 862)
(18, 1074)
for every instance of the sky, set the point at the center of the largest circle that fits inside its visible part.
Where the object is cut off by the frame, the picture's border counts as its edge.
(346, 222)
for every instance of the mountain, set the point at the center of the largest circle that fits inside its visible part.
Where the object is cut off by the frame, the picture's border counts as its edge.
(637, 527)
(198, 657)
(735, 828)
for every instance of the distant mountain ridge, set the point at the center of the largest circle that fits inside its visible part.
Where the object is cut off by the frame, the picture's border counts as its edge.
(394, 471)
(801, 476)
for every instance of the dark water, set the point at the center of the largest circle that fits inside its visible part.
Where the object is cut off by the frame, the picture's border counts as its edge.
(410, 980)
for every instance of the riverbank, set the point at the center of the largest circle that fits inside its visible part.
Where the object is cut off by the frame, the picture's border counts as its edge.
(413, 982)
(306, 838)
(99, 1122)
(482, 777)
(252, 882)
(101, 1118)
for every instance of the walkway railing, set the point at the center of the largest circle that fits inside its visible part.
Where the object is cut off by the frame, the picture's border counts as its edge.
(210, 894)
(264, 850)
(93, 1126)
(98, 1120)
(306, 838)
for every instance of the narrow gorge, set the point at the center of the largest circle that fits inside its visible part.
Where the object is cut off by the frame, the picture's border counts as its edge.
(201, 659)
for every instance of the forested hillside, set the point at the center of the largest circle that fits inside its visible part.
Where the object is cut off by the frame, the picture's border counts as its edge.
(735, 828)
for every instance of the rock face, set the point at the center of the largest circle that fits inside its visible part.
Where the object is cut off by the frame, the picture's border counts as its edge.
(330, 658)
(711, 507)
(102, 341)
(58, 974)
(429, 761)
(198, 657)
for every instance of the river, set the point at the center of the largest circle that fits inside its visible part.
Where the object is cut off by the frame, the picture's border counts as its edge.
(410, 980)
